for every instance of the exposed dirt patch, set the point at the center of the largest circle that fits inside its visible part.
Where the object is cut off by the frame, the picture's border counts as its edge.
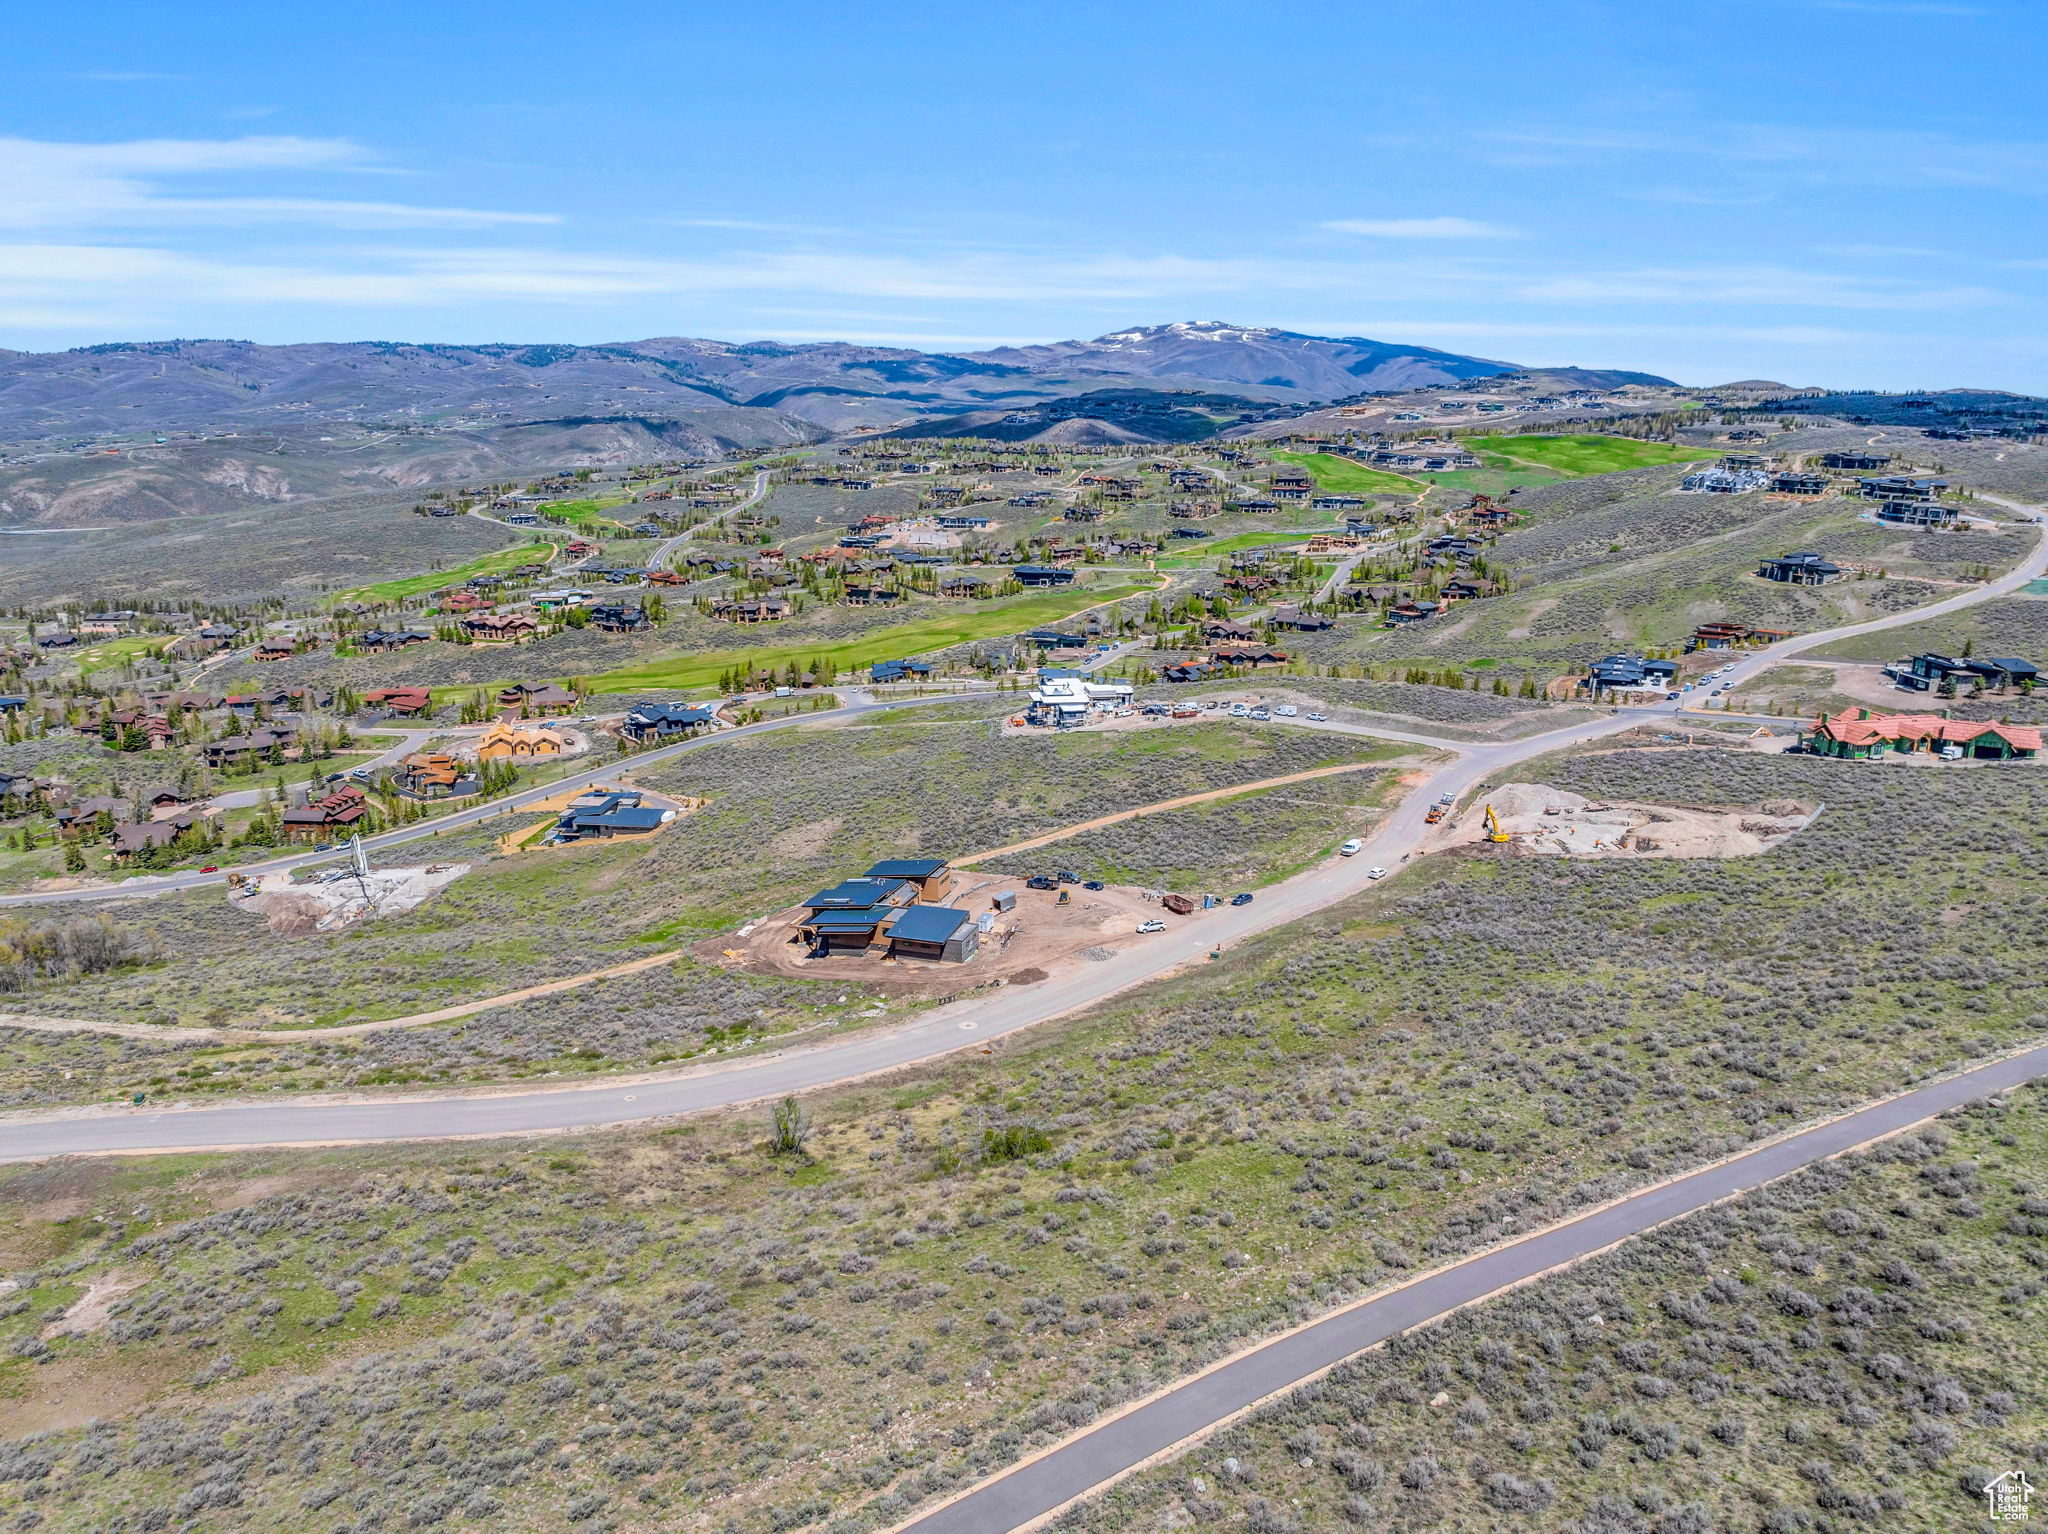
(1036, 934)
(1544, 821)
(806, 840)
(89, 1312)
(341, 899)
(71, 1393)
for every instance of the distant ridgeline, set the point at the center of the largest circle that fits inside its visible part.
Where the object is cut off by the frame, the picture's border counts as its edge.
(1972, 410)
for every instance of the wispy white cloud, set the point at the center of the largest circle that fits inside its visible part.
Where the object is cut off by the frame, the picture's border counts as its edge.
(1834, 156)
(1445, 228)
(120, 185)
(121, 279)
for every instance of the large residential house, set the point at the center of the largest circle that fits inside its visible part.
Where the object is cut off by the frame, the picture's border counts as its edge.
(1857, 733)
(501, 739)
(1802, 569)
(1928, 670)
(327, 816)
(1630, 673)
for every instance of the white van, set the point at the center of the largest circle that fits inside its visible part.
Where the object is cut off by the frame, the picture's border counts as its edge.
(1351, 849)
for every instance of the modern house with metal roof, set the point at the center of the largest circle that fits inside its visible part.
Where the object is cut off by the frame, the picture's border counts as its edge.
(862, 892)
(1631, 673)
(932, 876)
(1802, 569)
(941, 932)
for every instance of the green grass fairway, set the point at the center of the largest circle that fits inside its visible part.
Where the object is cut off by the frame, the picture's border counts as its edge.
(1340, 476)
(114, 652)
(1578, 456)
(1198, 553)
(926, 634)
(406, 587)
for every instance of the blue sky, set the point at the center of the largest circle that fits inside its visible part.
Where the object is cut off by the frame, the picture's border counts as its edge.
(1818, 191)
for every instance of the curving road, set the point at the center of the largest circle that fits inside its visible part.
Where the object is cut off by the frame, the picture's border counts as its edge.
(132, 889)
(929, 1036)
(1032, 1492)
(659, 559)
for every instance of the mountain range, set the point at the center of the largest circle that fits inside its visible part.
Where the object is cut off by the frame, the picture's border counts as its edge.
(321, 417)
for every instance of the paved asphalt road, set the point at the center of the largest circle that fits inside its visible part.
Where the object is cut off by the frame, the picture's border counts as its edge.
(132, 889)
(659, 559)
(926, 1037)
(1084, 1464)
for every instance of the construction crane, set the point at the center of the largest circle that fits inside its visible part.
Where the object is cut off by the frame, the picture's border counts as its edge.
(1494, 833)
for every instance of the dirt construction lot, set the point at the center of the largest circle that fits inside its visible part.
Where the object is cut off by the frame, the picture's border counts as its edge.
(1547, 821)
(1029, 942)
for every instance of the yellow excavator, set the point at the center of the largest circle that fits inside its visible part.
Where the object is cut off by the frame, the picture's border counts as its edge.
(1494, 833)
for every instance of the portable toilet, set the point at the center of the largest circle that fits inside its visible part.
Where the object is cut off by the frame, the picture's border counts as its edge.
(1210, 902)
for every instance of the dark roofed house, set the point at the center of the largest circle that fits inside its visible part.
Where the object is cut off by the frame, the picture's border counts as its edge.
(861, 892)
(375, 641)
(941, 932)
(655, 720)
(618, 618)
(1631, 673)
(622, 820)
(1043, 575)
(1854, 459)
(1799, 482)
(1299, 621)
(1910, 511)
(1802, 569)
(932, 876)
(1414, 610)
(899, 670)
(844, 929)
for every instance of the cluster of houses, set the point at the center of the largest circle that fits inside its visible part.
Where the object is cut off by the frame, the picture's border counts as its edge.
(1859, 734)
(895, 910)
(1427, 455)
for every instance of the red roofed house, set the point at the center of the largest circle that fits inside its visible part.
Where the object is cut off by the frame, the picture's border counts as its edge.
(1857, 734)
(338, 811)
(400, 700)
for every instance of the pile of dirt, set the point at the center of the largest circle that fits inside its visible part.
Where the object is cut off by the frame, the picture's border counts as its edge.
(1545, 821)
(337, 898)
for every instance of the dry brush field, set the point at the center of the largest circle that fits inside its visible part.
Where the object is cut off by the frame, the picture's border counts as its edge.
(685, 1329)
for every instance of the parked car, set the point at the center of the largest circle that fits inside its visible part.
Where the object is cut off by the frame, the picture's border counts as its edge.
(1260, 715)
(1041, 882)
(1240, 900)
(1375, 873)
(211, 868)
(1285, 710)
(1317, 716)
(1068, 876)
(1093, 884)
(1154, 925)
(1351, 849)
